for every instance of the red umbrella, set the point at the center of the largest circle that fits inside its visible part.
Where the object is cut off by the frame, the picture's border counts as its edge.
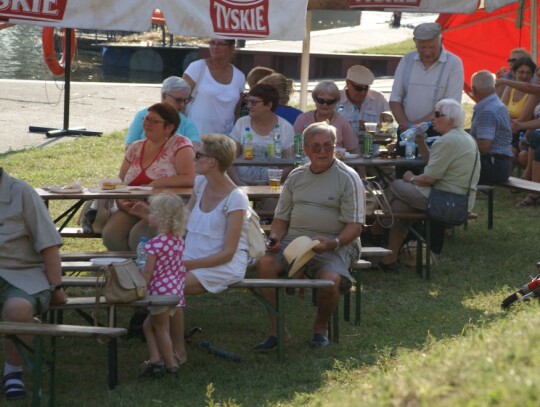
(484, 40)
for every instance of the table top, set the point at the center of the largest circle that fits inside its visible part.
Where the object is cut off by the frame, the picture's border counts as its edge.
(353, 162)
(253, 192)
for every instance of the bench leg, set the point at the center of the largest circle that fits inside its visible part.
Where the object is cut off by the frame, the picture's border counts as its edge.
(280, 316)
(490, 208)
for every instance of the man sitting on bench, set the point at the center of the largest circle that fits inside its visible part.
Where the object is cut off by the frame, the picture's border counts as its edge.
(325, 201)
(30, 271)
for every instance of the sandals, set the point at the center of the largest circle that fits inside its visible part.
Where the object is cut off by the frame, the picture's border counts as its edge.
(530, 200)
(14, 386)
(151, 370)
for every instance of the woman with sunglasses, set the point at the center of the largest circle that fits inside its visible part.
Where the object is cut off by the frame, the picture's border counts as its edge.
(261, 101)
(164, 159)
(217, 86)
(175, 91)
(452, 164)
(326, 96)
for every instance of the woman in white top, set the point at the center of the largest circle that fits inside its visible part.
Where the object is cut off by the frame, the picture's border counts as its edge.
(216, 253)
(216, 86)
(262, 101)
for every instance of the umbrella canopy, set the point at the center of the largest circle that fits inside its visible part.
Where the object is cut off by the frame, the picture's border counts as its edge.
(483, 40)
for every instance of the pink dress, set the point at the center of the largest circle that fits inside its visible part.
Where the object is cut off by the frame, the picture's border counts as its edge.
(169, 271)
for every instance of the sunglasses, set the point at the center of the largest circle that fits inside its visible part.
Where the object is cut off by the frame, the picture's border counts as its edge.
(511, 60)
(438, 114)
(328, 102)
(317, 148)
(359, 88)
(180, 100)
(200, 155)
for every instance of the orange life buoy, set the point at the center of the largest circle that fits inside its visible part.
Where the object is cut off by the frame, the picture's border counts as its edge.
(57, 67)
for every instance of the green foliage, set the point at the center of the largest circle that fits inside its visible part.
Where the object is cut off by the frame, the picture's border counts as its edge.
(443, 342)
(397, 48)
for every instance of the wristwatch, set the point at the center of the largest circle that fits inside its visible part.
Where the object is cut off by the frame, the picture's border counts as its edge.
(54, 288)
(338, 244)
(412, 179)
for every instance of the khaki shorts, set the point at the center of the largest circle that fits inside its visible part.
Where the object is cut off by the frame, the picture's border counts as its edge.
(160, 309)
(39, 301)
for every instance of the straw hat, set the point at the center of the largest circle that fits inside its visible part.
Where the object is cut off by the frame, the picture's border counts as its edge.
(299, 252)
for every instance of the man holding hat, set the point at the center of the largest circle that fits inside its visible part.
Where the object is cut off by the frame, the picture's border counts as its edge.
(424, 77)
(321, 209)
(357, 93)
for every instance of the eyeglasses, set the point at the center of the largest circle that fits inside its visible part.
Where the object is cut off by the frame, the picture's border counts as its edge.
(317, 148)
(328, 102)
(217, 44)
(438, 114)
(250, 101)
(153, 121)
(511, 60)
(359, 88)
(180, 100)
(200, 155)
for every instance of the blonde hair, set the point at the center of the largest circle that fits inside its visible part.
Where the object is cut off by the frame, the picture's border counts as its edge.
(256, 74)
(220, 147)
(170, 213)
(284, 86)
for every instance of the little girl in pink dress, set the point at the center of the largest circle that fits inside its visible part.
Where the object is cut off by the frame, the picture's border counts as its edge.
(165, 274)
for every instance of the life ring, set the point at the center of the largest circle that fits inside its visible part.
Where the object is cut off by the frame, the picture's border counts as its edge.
(56, 66)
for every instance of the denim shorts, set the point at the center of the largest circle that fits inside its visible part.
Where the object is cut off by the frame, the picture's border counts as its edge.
(39, 301)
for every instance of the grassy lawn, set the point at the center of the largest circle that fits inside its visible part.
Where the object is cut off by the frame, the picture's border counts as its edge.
(397, 48)
(444, 342)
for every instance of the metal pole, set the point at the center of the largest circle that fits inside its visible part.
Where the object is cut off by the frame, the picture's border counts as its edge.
(67, 78)
(304, 64)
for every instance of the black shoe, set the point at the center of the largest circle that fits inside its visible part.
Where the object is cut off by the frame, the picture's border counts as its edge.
(14, 386)
(269, 343)
(318, 341)
(152, 371)
(392, 267)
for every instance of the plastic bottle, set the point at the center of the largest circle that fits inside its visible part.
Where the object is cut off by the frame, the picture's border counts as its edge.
(277, 142)
(141, 253)
(248, 144)
(298, 144)
(408, 137)
(354, 119)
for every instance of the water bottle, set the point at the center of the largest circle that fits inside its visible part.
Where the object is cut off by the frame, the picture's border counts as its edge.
(408, 137)
(248, 144)
(354, 119)
(277, 142)
(141, 253)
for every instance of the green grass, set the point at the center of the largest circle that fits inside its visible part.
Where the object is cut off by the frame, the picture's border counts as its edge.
(439, 343)
(398, 48)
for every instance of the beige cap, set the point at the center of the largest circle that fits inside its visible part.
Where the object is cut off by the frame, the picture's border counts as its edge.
(298, 253)
(426, 31)
(360, 74)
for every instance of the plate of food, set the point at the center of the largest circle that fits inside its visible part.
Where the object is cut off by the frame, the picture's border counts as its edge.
(349, 155)
(105, 261)
(66, 189)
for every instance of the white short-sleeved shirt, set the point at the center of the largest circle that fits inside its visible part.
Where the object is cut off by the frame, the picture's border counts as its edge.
(254, 175)
(213, 106)
(373, 105)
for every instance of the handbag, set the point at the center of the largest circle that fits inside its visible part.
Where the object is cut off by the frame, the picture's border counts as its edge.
(450, 208)
(376, 203)
(407, 254)
(254, 234)
(124, 283)
(95, 214)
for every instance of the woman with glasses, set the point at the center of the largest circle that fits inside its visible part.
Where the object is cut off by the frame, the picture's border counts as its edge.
(164, 159)
(452, 164)
(262, 102)
(175, 91)
(326, 96)
(217, 86)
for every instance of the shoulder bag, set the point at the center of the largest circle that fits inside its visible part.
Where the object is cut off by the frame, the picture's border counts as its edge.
(124, 283)
(448, 207)
(376, 203)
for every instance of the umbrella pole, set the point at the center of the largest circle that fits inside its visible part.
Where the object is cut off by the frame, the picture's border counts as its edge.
(65, 131)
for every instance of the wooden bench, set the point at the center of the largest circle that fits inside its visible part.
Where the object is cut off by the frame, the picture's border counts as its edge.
(13, 330)
(86, 256)
(521, 185)
(489, 190)
(78, 232)
(420, 216)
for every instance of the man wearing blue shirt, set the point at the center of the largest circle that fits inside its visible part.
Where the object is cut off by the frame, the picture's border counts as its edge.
(175, 91)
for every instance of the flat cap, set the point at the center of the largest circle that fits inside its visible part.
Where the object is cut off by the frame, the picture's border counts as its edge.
(427, 31)
(360, 74)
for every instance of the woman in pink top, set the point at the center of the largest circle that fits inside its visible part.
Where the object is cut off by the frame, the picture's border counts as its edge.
(164, 159)
(326, 95)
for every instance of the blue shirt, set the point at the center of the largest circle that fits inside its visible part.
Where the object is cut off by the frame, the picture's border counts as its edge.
(136, 131)
(491, 121)
(289, 113)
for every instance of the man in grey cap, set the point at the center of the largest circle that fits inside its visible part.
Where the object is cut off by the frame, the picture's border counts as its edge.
(369, 102)
(425, 76)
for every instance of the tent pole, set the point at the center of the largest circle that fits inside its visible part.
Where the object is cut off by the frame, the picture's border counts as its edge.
(304, 64)
(533, 4)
